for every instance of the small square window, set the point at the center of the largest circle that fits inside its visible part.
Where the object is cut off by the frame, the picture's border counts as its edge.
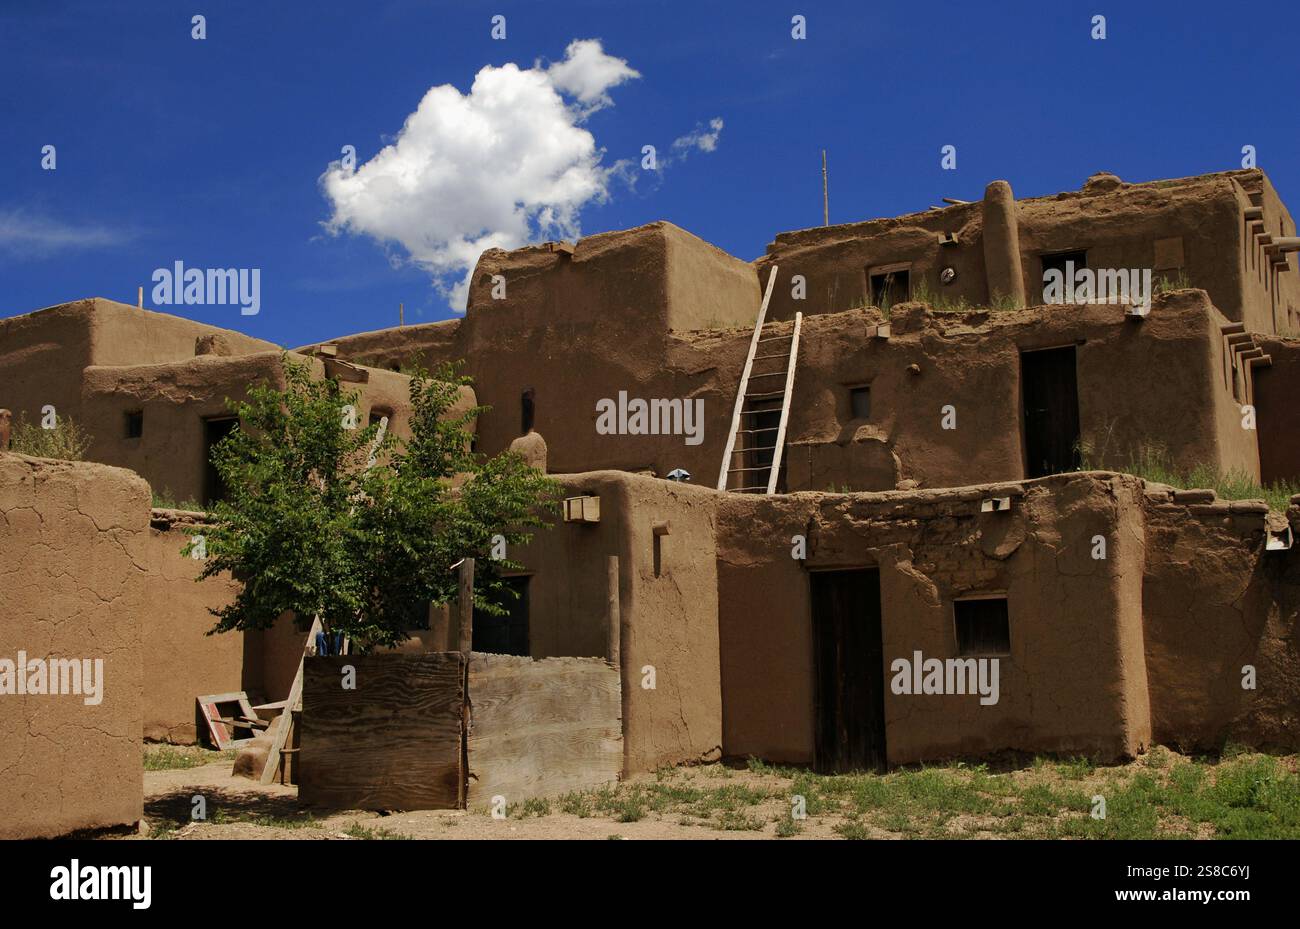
(376, 415)
(890, 287)
(982, 626)
(134, 424)
(860, 402)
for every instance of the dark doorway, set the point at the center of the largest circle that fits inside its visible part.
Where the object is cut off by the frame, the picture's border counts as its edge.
(849, 671)
(527, 410)
(1050, 392)
(508, 634)
(214, 430)
(763, 419)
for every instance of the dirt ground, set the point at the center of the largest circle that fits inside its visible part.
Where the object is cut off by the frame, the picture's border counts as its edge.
(1160, 795)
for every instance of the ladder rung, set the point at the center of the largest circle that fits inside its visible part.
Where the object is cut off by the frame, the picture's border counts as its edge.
(768, 374)
(741, 490)
(769, 393)
(752, 431)
(774, 338)
(765, 357)
(737, 470)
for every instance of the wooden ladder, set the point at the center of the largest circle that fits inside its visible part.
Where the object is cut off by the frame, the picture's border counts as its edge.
(775, 378)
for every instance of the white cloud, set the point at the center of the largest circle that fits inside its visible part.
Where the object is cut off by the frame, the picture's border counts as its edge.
(23, 233)
(587, 73)
(505, 164)
(705, 141)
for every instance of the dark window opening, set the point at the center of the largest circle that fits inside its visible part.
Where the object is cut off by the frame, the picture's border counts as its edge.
(508, 634)
(527, 409)
(214, 430)
(659, 555)
(860, 402)
(890, 287)
(377, 415)
(982, 626)
(1057, 262)
(134, 424)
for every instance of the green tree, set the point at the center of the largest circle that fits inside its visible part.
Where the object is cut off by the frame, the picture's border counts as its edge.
(362, 529)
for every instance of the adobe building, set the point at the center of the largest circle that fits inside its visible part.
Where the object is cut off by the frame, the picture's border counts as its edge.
(950, 486)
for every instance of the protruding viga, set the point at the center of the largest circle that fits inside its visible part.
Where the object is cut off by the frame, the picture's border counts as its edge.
(1002, 244)
(6, 419)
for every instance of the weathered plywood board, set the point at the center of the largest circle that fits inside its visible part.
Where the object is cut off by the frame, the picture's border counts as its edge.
(542, 728)
(393, 743)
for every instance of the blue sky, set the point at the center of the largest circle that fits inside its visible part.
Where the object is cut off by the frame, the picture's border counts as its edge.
(211, 152)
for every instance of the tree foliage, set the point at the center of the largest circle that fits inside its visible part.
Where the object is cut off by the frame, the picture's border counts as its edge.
(309, 524)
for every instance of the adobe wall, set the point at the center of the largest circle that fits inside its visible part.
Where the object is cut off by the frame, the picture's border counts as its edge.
(1155, 382)
(577, 329)
(1074, 681)
(1214, 601)
(73, 540)
(1118, 224)
(669, 620)
(182, 662)
(175, 399)
(43, 353)
(1275, 390)
(1271, 291)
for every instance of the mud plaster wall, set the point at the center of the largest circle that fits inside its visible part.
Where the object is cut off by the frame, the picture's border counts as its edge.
(181, 661)
(1275, 390)
(43, 353)
(176, 398)
(669, 621)
(614, 316)
(1271, 292)
(1117, 227)
(1139, 384)
(1153, 382)
(1214, 601)
(73, 542)
(1074, 680)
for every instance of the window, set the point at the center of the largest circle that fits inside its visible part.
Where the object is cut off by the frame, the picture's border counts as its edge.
(214, 430)
(377, 414)
(890, 285)
(1056, 262)
(982, 626)
(527, 409)
(860, 402)
(134, 424)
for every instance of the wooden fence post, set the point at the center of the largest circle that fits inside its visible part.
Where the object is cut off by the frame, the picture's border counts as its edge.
(466, 606)
(613, 632)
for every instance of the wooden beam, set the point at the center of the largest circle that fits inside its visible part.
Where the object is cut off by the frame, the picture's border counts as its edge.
(613, 629)
(284, 721)
(465, 606)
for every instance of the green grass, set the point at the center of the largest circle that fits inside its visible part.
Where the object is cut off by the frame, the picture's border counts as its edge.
(1238, 794)
(165, 501)
(159, 757)
(67, 440)
(358, 831)
(1154, 464)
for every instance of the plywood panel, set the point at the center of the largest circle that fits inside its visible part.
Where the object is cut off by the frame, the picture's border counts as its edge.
(393, 743)
(542, 728)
